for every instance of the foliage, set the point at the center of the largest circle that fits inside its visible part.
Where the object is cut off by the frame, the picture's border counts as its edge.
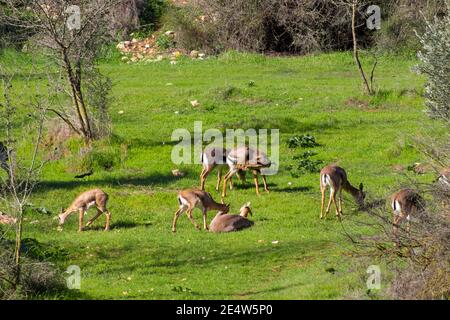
(435, 64)
(304, 141)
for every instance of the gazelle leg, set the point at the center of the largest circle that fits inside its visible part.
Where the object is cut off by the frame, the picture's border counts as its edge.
(205, 225)
(219, 178)
(99, 213)
(255, 178)
(225, 180)
(231, 183)
(189, 214)
(176, 216)
(329, 202)
(203, 176)
(80, 219)
(340, 202)
(322, 189)
(108, 220)
(336, 205)
(266, 188)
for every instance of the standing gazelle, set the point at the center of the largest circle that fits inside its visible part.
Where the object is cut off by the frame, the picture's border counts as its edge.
(83, 202)
(192, 198)
(216, 157)
(405, 204)
(336, 178)
(245, 158)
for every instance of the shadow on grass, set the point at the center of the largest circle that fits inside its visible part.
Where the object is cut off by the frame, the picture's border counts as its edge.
(294, 189)
(156, 179)
(117, 225)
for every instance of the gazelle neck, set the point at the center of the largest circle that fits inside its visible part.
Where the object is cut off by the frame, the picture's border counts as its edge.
(352, 190)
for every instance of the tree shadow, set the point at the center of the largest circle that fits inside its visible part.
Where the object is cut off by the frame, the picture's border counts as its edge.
(117, 225)
(155, 179)
(294, 189)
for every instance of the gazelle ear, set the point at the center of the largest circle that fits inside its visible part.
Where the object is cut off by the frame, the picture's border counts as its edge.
(361, 186)
(62, 210)
(247, 204)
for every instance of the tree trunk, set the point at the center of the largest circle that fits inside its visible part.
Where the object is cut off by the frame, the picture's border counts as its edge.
(17, 266)
(367, 88)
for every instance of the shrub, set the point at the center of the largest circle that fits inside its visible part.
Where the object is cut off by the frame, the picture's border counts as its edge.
(295, 26)
(304, 164)
(435, 64)
(304, 141)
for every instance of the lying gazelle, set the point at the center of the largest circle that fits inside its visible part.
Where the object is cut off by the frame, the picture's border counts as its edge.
(245, 158)
(406, 203)
(192, 198)
(216, 157)
(83, 202)
(232, 222)
(336, 178)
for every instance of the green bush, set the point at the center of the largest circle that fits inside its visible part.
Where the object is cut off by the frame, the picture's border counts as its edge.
(435, 64)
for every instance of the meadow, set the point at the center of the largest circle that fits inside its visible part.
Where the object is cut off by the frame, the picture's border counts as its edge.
(289, 253)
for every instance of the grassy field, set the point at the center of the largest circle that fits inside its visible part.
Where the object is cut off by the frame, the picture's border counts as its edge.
(289, 253)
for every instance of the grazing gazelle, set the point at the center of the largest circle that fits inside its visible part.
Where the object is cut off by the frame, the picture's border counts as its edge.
(192, 198)
(245, 158)
(232, 222)
(216, 157)
(336, 178)
(83, 202)
(405, 204)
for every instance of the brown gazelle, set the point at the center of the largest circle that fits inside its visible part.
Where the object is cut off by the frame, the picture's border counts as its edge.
(83, 202)
(336, 178)
(192, 198)
(444, 176)
(213, 157)
(232, 222)
(245, 158)
(405, 204)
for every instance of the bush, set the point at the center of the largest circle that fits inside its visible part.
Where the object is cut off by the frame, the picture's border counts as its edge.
(435, 64)
(295, 26)
(400, 21)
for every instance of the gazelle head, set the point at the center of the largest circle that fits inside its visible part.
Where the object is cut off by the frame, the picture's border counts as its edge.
(62, 217)
(245, 210)
(360, 196)
(224, 208)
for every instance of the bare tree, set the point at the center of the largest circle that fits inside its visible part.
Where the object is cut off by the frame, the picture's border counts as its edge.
(73, 34)
(23, 164)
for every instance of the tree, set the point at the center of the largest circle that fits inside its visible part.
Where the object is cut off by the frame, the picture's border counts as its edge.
(73, 34)
(22, 162)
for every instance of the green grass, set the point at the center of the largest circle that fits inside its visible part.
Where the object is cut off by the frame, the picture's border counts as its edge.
(319, 95)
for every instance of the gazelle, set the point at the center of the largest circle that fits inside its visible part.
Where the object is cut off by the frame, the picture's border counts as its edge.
(5, 219)
(405, 204)
(444, 177)
(245, 158)
(216, 157)
(336, 178)
(232, 222)
(192, 198)
(83, 202)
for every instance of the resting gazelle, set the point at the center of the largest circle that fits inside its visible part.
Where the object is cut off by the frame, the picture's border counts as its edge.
(335, 177)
